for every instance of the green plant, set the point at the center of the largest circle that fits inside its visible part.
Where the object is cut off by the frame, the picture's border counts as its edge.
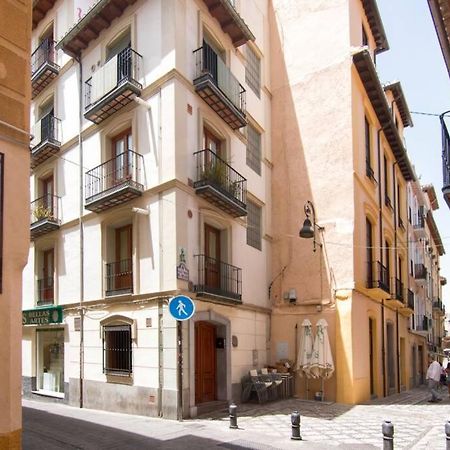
(215, 171)
(42, 212)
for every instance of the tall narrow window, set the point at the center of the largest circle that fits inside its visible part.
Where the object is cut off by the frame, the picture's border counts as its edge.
(369, 253)
(369, 170)
(399, 207)
(253, 71)
(117, 349)
(387, 260)
(254, 225)
(253, 149)
(122, 159)
(387, 199)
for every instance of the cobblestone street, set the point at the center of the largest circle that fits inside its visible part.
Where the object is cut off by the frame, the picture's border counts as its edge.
(418, 425)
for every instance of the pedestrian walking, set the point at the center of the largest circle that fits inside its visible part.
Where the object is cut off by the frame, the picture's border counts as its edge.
(433, 376)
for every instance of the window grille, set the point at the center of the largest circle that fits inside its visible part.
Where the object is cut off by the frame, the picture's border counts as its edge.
(117, 350)
(253, 71)
(254, 225)
(253, 149)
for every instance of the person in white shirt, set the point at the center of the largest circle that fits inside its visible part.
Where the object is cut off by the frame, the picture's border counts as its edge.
(433, 376)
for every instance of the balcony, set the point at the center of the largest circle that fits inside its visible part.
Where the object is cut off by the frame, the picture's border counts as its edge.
(408, 307)
(422, 323)
(45, 291)
(230, 21)
(419, 226)
(445, 161)
(378, 280)
(219, 88)
(220, 184)
(397, 298)
(114, 182)
(40, 9)
(439, 307)
(218, 279)
(46, 139)
(119, 277)
(43, 66)
(420, 273)
(44, 216)
(113, 86)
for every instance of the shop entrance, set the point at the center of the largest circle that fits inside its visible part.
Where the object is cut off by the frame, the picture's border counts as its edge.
(205, 362)
(50, 361)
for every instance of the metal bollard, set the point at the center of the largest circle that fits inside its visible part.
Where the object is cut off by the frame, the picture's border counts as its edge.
(447, 434)
(233, 415)
(295, 421)
(388, 435)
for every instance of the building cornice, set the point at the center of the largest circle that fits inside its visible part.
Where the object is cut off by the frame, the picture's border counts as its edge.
(400, 100)
(376, 24)
(440, 12)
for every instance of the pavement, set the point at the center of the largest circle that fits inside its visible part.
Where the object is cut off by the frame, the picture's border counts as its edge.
(418, 424)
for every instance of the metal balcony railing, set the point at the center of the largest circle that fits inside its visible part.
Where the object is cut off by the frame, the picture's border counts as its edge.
(46, 129)
(410, 303)
(377, 276)
(119, 277)
(419, 222)
(207, 62)
(422, 322)
(45, 53)
(398, 290)
(218, 278)
(45, 208)
(126, 168)
(45, 291)
(125, 66)
(420, 272)
(214, 171)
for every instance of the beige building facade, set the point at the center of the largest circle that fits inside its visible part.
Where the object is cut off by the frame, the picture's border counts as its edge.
(14, 198)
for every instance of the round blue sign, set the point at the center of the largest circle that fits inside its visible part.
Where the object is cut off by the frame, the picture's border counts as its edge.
(181, 307)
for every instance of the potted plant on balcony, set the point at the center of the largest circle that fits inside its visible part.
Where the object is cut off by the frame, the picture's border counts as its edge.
(42, 212)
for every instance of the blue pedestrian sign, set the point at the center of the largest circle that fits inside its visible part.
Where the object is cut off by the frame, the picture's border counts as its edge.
(181, 307)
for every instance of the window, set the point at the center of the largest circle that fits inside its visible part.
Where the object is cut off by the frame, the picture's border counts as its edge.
(399, 207)
(253, 149)
(253, 71)
(387, 200)
(254, 225)
(369, 170)
(369, 252)
(117, 349)
(387, 262)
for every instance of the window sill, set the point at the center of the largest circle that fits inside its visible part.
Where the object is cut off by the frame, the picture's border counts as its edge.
(44, 393)
(119, 379)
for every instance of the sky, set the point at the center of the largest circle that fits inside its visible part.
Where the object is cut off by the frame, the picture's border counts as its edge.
(415, 59)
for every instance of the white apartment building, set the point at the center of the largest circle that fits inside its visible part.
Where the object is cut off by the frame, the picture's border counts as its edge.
(425, 282)
(150, 178)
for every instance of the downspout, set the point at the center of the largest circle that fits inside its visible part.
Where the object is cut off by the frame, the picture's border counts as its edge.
(396, 270)
(80, 223)
(380, 216)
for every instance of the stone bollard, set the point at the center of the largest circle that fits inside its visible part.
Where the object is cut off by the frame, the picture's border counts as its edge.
(388, 435)
(447, 434)
(233, 415)
(295, 421)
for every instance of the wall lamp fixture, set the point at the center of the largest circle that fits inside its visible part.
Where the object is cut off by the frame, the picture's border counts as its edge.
(308, 229)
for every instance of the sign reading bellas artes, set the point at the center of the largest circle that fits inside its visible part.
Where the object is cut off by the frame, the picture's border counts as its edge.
(42, 316)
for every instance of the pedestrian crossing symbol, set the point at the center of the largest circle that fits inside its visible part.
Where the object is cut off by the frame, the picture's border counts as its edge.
(181, 307)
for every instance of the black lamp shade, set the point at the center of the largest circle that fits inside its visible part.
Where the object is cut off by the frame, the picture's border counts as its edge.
(307, 230)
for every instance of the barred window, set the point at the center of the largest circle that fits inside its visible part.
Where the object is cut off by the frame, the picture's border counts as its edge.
(117, 349)
(253, 149)
(253, 71)
(254, 225)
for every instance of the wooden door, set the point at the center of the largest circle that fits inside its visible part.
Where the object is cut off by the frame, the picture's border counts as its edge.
(123, 274)
(121, 157)
(212, 257)
(205, 362)
(47, 282)
(372, 357)
(212, 142)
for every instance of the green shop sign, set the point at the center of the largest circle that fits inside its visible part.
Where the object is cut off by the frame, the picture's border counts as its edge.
(42, 316)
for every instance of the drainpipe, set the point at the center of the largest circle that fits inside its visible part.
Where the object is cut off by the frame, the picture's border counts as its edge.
(80, 223)
(380, 217)
(396, 269)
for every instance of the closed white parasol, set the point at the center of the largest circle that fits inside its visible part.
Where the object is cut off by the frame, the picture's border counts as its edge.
(305, 349)
(322, 365)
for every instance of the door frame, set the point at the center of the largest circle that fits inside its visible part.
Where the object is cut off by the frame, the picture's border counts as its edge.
(198, 353)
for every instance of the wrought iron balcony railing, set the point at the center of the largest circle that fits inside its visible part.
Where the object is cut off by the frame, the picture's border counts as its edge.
(398, 290)
(419, 222)
(377, 276)
(218, 182)
(219, 88)
(119, 277)
(45, 291)
(44, 53)
(115, 181)
(46, 139)
(422, 322)
(218, 278)
(445, 161)
(113, 85)
(420, 272)
(44, 215)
